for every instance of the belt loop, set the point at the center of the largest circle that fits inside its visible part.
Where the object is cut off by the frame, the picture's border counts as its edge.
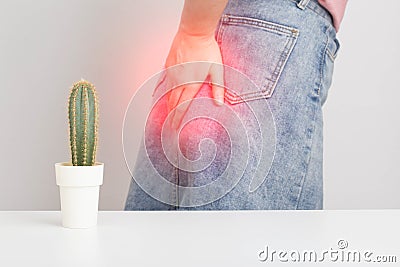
(302, 4)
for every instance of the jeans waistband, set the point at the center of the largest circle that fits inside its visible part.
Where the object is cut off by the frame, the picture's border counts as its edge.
(315, 7)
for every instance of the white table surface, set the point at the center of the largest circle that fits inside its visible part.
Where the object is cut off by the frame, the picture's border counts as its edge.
(194, 238)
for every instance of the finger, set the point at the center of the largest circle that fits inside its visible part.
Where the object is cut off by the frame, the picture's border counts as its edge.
(186, 98)
(217, 83)
(173, 100)
(160, 80)
(174, 89)
(173, 94)
(173, 97)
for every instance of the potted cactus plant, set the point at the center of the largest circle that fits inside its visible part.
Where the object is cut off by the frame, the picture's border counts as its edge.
(79, 180)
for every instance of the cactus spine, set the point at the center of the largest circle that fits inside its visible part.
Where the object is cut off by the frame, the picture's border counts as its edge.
(83, 123)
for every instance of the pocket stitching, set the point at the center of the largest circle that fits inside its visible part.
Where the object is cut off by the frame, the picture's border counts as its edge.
(331, 54)
(268, 84)
(228, 19)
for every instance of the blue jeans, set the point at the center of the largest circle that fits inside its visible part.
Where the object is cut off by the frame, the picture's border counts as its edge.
(266, 142)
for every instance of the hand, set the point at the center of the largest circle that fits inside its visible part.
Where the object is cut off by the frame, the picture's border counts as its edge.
(189, 48)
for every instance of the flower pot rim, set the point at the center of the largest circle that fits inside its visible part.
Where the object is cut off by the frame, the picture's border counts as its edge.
(69, 164)
(79, 176)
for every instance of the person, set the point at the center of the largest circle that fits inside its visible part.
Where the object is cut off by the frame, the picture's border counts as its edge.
(281, 54)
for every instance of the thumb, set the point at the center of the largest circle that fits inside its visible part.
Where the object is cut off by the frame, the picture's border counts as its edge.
(217, 83)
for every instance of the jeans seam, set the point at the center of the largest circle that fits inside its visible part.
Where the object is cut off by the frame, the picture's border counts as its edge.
(322, 60)
(176, 191)
(309, 148)
(323, 63)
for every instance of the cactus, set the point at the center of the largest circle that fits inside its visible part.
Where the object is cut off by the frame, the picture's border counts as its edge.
(83, 123)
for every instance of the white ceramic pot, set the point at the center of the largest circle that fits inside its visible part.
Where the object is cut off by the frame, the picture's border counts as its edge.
(79, 193)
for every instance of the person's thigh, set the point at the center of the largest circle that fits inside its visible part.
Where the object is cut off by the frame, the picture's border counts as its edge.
(154, 177)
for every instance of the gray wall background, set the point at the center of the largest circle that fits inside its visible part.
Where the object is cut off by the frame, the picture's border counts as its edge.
(46, 45)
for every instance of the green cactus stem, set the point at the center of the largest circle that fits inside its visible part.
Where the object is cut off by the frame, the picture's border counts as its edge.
(83, 123)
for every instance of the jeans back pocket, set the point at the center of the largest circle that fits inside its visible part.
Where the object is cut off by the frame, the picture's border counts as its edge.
(257, 48)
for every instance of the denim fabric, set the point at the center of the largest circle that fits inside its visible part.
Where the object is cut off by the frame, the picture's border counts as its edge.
(286, 48)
